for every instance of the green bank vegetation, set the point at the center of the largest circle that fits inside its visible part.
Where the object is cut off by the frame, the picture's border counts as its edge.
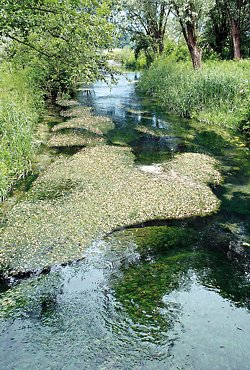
(20, 109)
(189, 46)
(218, 93)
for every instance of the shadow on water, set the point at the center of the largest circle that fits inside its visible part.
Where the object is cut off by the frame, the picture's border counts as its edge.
(144, 288)
(68, 150)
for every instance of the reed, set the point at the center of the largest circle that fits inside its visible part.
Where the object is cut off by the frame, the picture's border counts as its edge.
(219, 93)
(20, 109)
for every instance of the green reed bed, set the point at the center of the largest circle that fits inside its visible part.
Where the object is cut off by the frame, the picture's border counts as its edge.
(20, 107)
(218, 93)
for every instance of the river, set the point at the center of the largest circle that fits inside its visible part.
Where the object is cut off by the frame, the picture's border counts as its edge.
(166, 295)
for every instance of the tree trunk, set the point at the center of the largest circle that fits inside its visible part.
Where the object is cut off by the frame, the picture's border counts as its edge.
(194, 50)
(236, 39)
(160, 43)
(235, 31)
(189, 33)
(195, 53)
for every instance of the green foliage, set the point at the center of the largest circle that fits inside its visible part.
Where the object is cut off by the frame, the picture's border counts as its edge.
(178, 52)
(218, 27)
(217, 31)
(51, 44)
(218, 93)
(61, 41)
(19, 111)
(145, 21)
(128, 60)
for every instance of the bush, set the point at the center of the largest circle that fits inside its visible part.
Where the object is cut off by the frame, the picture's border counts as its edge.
(177, 52)
(126, 57)
(218, 93)
(20, 108)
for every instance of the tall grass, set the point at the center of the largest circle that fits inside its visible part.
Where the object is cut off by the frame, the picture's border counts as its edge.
(218, 93)
(20, 107)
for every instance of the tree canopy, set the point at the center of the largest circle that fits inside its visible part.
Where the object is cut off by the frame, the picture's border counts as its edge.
(65, 38)
(221, 25)
(62, 38)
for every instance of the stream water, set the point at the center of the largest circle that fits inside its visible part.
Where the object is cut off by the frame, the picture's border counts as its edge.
(174, 295)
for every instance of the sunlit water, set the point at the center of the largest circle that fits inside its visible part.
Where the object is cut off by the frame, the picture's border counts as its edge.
(169, 297)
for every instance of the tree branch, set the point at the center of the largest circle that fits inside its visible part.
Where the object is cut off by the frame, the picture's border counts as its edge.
(29, 45)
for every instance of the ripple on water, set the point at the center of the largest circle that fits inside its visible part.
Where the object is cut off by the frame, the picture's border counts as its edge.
(130, 304)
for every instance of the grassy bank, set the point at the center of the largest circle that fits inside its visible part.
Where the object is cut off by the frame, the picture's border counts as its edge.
(19, 112)
(219, 93)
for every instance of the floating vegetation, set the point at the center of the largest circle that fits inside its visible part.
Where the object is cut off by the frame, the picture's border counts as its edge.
(81, 198)
(78, 139)
(76, 111)
(67, 103)
(103, 191)
(84, 129)
(151, 131)
(98, 125)
(195, 168)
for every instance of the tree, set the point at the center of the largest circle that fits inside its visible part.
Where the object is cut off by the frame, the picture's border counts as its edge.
(146, 22)
(227, 29)
(191, 15)
(62, 39)
(238, 15)
(217, 31)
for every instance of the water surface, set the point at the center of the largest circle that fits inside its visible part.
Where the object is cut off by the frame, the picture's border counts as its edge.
(175, 296)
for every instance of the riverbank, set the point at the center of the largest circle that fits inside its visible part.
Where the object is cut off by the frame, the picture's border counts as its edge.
(20, 110)
(218, 94)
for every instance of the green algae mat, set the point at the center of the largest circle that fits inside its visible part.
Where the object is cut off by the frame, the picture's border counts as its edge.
(81, 198)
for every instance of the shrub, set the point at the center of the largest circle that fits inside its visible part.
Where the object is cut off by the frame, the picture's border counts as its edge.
(177, 52)
(126, 57)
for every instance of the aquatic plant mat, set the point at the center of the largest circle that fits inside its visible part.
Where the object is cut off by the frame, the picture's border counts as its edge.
(82, 128)
(83, 197)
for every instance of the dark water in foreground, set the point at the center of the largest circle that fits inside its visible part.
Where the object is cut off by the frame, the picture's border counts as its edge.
(159, 297)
